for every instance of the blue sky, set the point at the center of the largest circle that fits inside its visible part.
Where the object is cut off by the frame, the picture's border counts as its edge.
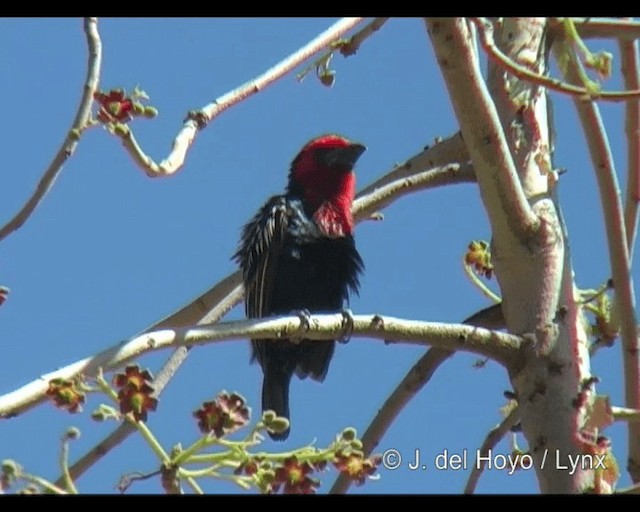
(111, 251)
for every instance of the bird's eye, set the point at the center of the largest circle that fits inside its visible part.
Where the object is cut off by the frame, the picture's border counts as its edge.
(324, 156)
(329, 157)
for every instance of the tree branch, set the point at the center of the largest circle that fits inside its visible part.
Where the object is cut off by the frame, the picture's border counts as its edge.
(432, 167)
(625, 414)
(444, 152)
(495, 169)
(497, 345)
(382, 197)
(417, 377)
(494, 436)
(215, 303)
(71, 140)
(196, 121)
(351, 46)
(630, 75)
(606, 27)
(494, 53)
(624, 304)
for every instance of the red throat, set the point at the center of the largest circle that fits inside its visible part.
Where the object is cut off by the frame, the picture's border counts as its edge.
(332, 200)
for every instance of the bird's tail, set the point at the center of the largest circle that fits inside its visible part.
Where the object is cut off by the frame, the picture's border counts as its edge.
(275, 396)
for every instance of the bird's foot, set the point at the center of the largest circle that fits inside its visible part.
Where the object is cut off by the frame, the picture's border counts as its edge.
(347, 326)
(305, 323)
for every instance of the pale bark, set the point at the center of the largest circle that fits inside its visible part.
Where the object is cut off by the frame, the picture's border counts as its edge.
(504, 124)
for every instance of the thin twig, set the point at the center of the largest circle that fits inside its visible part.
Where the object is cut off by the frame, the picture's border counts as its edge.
(489, 45)
(475, 279)
(607, 27)
(71, 141)
(382, 197)
(415, 379)
(494, 436)
(352, 45)
(196, 121)
(624, 303)
(67, 479)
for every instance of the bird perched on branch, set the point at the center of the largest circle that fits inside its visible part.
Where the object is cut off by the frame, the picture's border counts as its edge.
(298, 254)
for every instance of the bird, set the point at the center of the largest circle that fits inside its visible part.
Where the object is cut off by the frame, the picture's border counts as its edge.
(298, 254)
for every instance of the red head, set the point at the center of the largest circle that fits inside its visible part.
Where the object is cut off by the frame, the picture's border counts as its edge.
(322, 173)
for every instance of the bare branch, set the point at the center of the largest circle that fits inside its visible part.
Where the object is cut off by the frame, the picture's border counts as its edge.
(624, 304)
(606, 27)
(417, 377)
(488, 43)
(633, 489)
(629, 61)
(494, 436)
(220, 297)
(428, 169)
(625, 414)
(382, 197)
(215, 303)
(71, 141)
(497, 345)
(198, 120)
(444, 152)
(351, 46)
(494, 166)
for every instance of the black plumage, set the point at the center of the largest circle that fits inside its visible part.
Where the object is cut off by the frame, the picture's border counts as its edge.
(298, 253)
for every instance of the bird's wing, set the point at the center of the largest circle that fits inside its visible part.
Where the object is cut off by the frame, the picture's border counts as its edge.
(260, 246)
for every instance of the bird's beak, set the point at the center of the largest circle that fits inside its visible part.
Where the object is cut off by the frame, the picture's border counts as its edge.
(347, 157)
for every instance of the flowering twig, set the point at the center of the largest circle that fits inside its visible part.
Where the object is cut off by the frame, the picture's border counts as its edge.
(64, 460)
(211, 306)
(71, 141)
(346, 47)
(624, 305)
(477, 262)
(197, 120)
(11, 473)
